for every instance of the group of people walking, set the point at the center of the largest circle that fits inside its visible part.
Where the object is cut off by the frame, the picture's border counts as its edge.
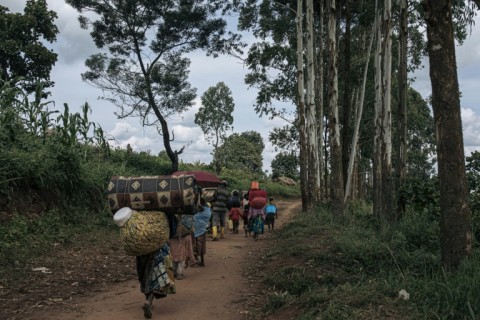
(157, 271)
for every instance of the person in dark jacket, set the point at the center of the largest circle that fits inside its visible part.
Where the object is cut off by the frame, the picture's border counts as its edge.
(219, 210)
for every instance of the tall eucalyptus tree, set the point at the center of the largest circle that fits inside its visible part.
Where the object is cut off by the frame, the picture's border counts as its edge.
(301, 109)
(383, 187)
(311, 121)
(337, 186)
(455, 219)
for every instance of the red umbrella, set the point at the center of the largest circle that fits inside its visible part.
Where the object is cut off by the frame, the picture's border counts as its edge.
(204, 179)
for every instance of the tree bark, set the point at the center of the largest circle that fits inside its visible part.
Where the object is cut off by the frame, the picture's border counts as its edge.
(401, 168)
(455, 220)
(320, 99)
(383, 184)
(301, 109)
(313, 166)
(378, 118)
(387, 176)
(346, 92)
(356, 131)
(334, 125)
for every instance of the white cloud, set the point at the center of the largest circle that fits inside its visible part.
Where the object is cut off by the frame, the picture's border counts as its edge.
(471, 128)
(74, 45)
(123, 130)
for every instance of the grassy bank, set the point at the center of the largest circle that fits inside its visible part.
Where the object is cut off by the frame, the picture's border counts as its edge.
(319, 269)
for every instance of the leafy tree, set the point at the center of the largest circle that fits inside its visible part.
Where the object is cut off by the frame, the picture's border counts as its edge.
(215, 115)
(272, 60)
(144, 72)
(255, 138)
(421, 138)
(473, 171)
(285, 138)
(285, 164)
(23, 57)
(240, 151)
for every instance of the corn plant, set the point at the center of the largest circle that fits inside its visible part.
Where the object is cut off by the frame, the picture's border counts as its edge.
(9, 118)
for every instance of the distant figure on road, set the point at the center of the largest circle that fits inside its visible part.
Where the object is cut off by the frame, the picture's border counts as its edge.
(271, 214)
(245, 215)
(235, 214)
(219, 210)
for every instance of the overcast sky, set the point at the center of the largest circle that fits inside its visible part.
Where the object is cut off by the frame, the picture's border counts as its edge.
(74, 45)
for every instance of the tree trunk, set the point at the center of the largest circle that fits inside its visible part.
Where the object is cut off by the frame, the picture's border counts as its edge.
(387, 177)
(319, 97)
(455, 221)
(346, 92)
(173, 155)
(383, 186)
(313, 166)
(334, 125)
(401, 168)
(378, 117)
(356, 131)
(301, 109)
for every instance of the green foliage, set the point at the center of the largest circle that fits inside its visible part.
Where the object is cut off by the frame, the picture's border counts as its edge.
(285, 138)
(143, 70)
(422, 195)
(473, 176)
(23, 56)
(287, 165)
(241, 151)
(215, 115)
(138, 163)
(294, 281)
(421, 153)
(272, 64)
(354, 270)
(276, 190)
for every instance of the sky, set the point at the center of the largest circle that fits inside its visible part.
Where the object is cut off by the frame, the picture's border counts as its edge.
(74, 45)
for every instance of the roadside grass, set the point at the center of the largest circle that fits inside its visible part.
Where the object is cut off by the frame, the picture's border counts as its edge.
(319, 269)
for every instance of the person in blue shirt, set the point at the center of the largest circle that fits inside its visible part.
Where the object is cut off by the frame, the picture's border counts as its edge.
(200, 224)
(270, 214)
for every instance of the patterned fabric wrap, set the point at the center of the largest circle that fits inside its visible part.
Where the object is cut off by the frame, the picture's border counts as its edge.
(155, 273)
(170, 194)
(145, 232)
(256, 225)
(181, 249)
(185, 226)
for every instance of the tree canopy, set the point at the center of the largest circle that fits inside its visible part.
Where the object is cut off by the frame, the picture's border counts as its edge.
(242, 151)
(23, 56)
(144, 71)
(215, 115)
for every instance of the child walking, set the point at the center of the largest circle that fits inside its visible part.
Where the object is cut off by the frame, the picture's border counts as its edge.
(235, 215)
(271, 214)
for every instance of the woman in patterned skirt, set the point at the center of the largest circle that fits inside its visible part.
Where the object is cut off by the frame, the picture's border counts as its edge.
(155, 275)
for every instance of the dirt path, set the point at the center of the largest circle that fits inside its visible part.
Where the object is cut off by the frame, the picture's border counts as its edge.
(216, 291)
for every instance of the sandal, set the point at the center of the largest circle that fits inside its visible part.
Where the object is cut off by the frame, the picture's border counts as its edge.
(147, 311)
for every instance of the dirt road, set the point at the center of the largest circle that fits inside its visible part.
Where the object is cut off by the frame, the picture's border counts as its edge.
(217, 291)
